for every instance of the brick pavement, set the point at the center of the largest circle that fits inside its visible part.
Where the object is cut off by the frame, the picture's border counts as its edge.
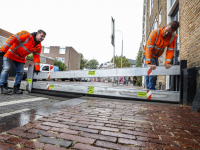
(105, 124)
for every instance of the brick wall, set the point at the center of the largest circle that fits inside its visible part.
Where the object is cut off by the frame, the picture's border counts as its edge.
(4, 35)
(157, 7)
(190, 32)
(72, 58)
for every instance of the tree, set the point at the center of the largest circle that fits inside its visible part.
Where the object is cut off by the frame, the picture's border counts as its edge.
(83, 62)
(125, 62)
(30, 56)
(92, 64)
(139, 64)
(60, 65)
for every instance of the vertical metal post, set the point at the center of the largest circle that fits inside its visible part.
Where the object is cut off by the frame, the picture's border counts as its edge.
(183, 65)
(30, 77)
(113, 48)
(122, 52)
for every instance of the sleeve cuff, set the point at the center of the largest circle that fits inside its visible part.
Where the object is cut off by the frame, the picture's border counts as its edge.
(167, 62)
(148, 62)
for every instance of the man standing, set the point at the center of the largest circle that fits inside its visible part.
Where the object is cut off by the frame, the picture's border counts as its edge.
(15, 50)
(154, 48)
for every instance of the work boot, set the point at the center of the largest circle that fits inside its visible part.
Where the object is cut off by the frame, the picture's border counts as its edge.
(4, 89)
(17, 90)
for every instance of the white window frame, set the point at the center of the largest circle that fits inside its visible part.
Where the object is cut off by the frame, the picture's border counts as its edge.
(61, 51)
(60, 59)
(46, 50)
(155, 24)
(170, 9)
(160, 16)
(150, 6)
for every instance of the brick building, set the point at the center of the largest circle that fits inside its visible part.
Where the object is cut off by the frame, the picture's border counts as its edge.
(157, 14)
(4, 35)
(67, 55)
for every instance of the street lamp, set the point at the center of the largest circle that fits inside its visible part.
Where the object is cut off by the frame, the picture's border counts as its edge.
(122, 46)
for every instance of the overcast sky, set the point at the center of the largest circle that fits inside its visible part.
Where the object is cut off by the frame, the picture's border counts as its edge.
(84, 25)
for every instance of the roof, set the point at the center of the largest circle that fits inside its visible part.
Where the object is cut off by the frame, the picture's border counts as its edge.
(5, 33)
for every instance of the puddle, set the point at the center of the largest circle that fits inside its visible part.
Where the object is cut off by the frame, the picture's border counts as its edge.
(20, 119)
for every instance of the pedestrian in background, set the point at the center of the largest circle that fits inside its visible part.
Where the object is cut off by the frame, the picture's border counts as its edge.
(134, 80)
(14, 51)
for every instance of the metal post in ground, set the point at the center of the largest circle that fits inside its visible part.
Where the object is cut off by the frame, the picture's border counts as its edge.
(113, 43)
(183, 65)
(30, 77)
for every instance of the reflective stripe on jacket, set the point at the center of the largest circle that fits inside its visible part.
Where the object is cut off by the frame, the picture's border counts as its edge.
(18, 46)
(156, 44)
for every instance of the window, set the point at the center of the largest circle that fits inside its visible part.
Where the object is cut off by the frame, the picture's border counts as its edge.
(151, 6)
(172, 2)
(161, 60)
(46, 49)
(45, 68)
(160, 16)
(62, 50)
(61, 59)
(154, 26)
(175, 17)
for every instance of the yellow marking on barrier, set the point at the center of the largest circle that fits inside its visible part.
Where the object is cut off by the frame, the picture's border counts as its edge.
(29, 80)
(91, 72)
(142, 94)
(51, 87)
(90, 90)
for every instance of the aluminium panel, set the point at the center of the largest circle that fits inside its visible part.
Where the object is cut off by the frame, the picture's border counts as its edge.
(137, 71)
(168, 96)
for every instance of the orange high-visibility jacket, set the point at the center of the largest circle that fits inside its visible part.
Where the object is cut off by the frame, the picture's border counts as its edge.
(18, 46)
(156, 44)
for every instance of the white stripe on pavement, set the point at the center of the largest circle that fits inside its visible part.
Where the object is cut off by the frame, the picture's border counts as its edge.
(22, 101)
(14, 112)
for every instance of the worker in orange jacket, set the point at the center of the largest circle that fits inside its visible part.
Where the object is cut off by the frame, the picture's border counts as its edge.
(154, 48)
(14, 51)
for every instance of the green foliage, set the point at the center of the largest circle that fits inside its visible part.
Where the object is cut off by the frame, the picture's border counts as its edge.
(92, 64)
(60, 65)
(139, 59)
(125, 62)
(83, 62)
(139, 64)
(30, 56)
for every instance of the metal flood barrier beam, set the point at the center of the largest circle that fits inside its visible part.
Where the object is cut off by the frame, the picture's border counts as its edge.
(168, 96)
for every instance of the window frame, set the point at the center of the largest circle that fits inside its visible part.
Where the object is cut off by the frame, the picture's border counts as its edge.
(45, 50)
(58, 58)
(61, 48)
(160, 16)
(151, 6)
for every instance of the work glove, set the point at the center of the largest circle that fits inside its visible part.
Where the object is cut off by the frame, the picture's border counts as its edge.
(2, 53)
(37, 72)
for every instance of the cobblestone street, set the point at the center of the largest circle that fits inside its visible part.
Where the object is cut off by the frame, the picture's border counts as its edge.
(99, 124)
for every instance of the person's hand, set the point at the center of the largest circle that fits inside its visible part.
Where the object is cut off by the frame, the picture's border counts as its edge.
(37, 72)
(167, 66)
(2, 53)
(153, 67)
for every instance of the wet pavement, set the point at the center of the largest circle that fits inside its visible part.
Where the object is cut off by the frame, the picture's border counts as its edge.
(19, 109)
(101, 124)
